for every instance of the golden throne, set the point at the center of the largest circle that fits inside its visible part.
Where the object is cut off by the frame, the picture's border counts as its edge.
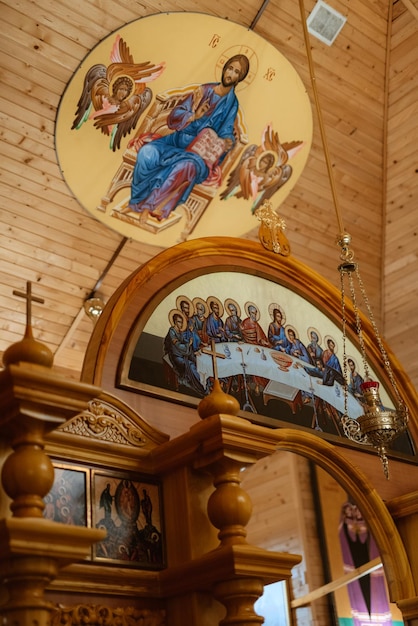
(155, 121)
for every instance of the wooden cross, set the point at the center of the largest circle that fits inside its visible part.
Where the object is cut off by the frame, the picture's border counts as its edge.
(214, 356)
(29, 299)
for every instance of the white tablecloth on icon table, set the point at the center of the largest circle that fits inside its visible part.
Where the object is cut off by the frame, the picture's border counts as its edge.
(250, 359)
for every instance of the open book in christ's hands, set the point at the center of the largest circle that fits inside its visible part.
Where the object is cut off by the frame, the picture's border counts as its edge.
(208, 145)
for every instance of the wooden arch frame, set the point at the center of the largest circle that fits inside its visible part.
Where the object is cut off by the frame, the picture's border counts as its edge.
(392, 550)
(139, 294)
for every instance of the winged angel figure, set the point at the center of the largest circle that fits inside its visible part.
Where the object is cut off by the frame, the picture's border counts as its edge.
(262, 169)
(118, 93)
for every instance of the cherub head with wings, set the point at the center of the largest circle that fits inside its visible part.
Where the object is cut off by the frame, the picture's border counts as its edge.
(115, 96)
(262, 169)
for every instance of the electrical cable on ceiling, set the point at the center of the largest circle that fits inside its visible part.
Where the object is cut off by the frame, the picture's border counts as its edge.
(320, 119)
(107, 268)
(259, 14)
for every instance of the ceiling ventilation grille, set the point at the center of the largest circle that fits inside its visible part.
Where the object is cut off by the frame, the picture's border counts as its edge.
(325, 22)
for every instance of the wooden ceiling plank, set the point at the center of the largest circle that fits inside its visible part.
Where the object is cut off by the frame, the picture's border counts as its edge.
(15, 42)
(49, 87)
(46, 246)
(411, 8)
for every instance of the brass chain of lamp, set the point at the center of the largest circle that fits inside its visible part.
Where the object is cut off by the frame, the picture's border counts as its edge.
(377, 426)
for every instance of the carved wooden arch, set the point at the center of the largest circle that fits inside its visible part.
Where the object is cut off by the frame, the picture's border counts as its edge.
(392, 550)
(107, 428)
(148, 286)
(151, 282)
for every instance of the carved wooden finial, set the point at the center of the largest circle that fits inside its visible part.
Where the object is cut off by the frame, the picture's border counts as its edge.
(28, 349)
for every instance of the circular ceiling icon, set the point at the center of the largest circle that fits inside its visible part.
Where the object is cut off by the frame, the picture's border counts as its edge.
(167, 138)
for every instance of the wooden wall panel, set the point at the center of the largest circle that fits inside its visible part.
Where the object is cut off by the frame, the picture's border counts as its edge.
(401, 239)
(284, 519)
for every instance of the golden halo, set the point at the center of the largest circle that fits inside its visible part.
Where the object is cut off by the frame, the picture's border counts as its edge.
(264, 154)
(230, 52)
(326, 339)
(126, 79)
(273, 306)
(181, 299)
(247, 306)
(218, 302)
(351, 358)
(229, 301)
(290, 327)
(310, 330)
(171, 315)
(197, 301)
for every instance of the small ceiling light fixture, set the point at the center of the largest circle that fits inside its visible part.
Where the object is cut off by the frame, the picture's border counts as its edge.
(379, 425)
(325, 23)
(93, 306)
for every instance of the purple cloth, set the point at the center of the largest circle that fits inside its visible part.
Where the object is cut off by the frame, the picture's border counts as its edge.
(368, 596)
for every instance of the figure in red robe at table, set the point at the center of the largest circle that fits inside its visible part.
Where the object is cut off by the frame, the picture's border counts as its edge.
(253, 333)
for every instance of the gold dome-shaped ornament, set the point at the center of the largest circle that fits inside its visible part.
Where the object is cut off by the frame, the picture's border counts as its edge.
(28, 350)
(271, 231)
(378, 426)
(218, 402)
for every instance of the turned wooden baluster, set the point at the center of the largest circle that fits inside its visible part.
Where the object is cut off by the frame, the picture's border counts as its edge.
(229, 509)
(33, 402)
